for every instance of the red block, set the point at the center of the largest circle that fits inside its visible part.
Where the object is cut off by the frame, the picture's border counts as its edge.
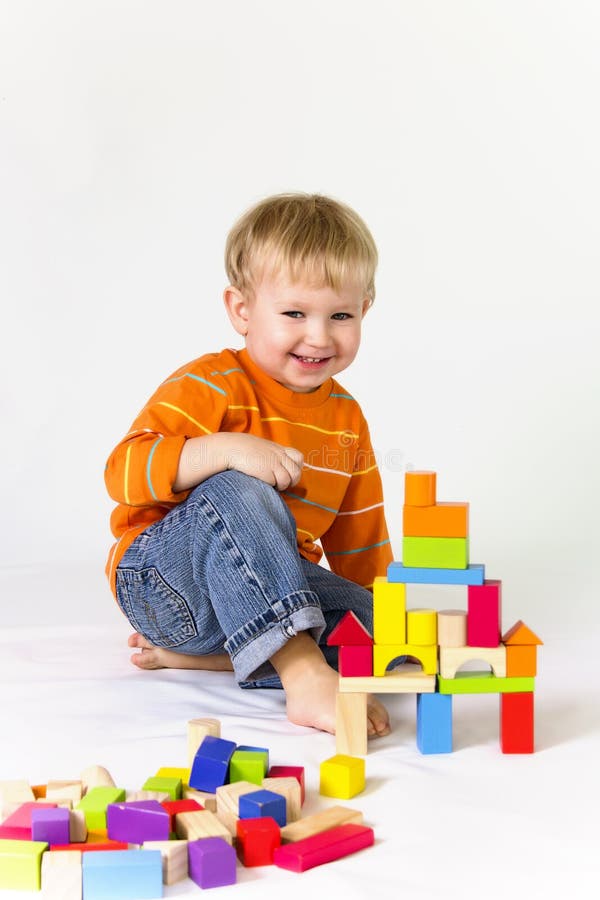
(10, 833)
(178, 806)
(257, 840)
(516, 723)
(296, 772)
(349, 631)
(324, 847)
(484, 615)
(21, 817)
(354, 661)
(87, 848)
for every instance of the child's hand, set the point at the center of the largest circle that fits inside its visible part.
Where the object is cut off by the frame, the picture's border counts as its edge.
(279, 466)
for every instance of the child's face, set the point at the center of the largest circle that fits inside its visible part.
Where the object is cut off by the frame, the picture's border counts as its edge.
(298, 333)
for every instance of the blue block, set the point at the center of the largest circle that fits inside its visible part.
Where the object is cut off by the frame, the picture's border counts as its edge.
(122, 875)
(434, 723)
(474, 574)
(263, 803)
(211, 764)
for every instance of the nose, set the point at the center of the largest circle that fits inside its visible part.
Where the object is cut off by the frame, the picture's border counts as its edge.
(317, 333)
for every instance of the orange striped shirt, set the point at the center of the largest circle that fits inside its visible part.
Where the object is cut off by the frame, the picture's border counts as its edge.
(338, 501)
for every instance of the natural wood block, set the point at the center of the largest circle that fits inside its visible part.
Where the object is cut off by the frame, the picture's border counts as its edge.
(351, 724)
(174, 858)
(198, 729)
(136, 796)
(193, 826)
(228, 799)
(383, 655)
(290, 789)
(64, 790)
(296, 772)
(61, 875)
(78, 831)
(441, 520)
(419, 488)
(395, 682)
(421, 627)
(12, 792)
(517, 723)
(96, 776)
(208, 801)
(521, 660)
(321, 821)
(452, 658)
(435, 552)
(452, 628)
(389, 611)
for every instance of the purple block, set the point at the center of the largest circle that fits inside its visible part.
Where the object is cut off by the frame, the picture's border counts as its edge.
(138, 821)
(211, 862)
(50, 825)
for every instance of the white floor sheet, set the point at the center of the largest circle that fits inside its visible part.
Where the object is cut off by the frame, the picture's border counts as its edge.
(474, 823)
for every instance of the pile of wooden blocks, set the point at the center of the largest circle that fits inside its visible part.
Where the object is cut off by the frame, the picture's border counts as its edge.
(228, 807)
(435, 551)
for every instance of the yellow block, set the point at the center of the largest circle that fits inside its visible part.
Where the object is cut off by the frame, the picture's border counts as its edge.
(171, 772)
(383, 654)
(389, 611)
(421, 627)
(342, 776)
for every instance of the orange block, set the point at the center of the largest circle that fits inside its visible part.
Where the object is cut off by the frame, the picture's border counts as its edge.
(419, 488)
(521, 660)
(441, 520)
(521, 634)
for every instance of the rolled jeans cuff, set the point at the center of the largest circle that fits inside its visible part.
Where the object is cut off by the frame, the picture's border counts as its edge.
(252, 646)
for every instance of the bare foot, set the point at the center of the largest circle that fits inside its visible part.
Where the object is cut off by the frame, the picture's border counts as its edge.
(151, 657)
(311, 687)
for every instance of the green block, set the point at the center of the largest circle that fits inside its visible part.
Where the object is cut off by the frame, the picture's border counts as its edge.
(435, 552)
(21, 864)
(94, 805)
(484, 683)
(170, 786)
(248, 765)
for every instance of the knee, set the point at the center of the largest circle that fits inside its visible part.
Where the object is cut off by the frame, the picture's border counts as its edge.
(249, 495)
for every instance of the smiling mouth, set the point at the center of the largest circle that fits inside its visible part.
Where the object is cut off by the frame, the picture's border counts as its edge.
(310, 359)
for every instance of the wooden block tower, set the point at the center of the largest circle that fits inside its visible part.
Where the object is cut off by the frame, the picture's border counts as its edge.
(435, 550)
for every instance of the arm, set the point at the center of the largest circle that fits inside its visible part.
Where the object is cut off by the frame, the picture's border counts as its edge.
(178, 440)
(357, 544)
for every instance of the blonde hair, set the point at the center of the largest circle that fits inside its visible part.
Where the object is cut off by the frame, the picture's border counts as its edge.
(305, 236)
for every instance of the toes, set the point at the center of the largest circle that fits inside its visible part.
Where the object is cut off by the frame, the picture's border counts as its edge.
(138, 640)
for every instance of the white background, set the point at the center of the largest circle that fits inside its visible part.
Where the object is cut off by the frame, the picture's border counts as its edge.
(132, 135)
(467, 136)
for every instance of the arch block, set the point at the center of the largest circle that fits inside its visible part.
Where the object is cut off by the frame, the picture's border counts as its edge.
(452, 658)
(383, 654)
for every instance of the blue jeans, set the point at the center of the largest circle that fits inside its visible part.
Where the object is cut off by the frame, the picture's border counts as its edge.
(221, 573)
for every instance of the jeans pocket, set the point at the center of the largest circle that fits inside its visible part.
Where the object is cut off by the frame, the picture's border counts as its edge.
(154, 608)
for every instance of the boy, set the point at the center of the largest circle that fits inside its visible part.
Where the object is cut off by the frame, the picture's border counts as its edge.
(242, 460)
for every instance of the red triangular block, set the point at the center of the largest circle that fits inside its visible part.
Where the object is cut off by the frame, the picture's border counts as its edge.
(349, 632)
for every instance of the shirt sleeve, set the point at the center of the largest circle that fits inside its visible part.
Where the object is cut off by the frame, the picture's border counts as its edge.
(357, 544)
(141, 469)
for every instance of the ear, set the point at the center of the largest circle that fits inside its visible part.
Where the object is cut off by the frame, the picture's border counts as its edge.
(237, 306)
(366, 306)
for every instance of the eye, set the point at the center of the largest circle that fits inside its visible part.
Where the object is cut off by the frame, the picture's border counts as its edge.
(293, 313)
(341, 316)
